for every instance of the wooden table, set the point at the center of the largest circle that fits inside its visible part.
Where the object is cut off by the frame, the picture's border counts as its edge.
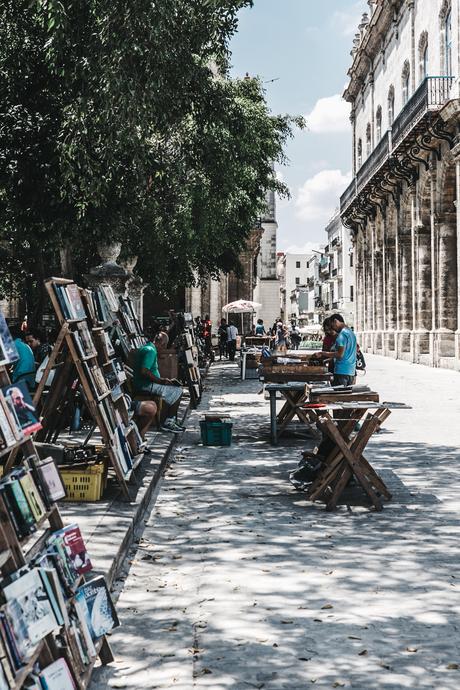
(346, 457)
(295, 394)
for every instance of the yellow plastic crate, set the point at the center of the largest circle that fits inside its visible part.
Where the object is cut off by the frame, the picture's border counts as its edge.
(83, 484)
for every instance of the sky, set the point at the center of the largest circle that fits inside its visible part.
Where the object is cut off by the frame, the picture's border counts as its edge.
(305, 46)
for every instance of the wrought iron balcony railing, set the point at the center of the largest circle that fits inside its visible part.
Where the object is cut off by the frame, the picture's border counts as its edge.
(432, 93)
(373, 162)
(430, 96)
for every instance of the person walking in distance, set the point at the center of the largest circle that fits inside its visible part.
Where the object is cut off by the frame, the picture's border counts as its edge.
(232, 333)
(222, 334)
(343, 352)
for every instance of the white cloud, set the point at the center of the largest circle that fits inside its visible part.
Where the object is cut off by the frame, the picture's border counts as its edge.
(319, 196)
(330, 114)
(346, 22)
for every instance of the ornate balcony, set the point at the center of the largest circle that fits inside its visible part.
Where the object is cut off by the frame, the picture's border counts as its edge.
(417, 115)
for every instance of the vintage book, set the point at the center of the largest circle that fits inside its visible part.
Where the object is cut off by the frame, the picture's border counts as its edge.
(32, 495)
(35, 608)
(76, 305)
(49, 479)
(57, 545)
(11, 417)
(8, 347)
(55, 604)
(86, 339)
(75, 548)
(6, 661)
(18, 507)
(58, 591)
(9, 643)
(57, 676)
(8, 435)
(84, 627)
(120, 370)
(62, 301)
(17, 394)
(99, 380)
(97, 607)
(110, 297)
(4, 683)
(15, 627)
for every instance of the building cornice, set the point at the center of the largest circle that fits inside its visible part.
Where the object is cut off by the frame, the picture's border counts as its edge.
(369, 42)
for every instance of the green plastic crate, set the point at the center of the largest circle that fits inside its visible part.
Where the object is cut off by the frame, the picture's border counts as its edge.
(216, 433)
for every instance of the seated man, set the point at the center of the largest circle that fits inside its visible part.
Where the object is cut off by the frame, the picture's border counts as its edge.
(24, 368)
(147, 379)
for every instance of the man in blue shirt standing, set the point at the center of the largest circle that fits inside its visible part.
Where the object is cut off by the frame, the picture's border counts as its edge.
(344, 354)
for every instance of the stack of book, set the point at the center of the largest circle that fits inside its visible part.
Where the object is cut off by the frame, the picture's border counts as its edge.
(69, 299)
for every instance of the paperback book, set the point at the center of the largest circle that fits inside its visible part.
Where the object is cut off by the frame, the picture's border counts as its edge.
(75, 548)
(32, 604)
(20, 403)
(97, 607)
(8, 351)
(57, 676)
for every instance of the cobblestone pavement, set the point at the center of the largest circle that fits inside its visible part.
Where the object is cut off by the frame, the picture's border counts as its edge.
(238, 582)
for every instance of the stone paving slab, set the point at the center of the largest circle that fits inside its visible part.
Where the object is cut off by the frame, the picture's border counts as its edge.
(238, 582)
(108, 525)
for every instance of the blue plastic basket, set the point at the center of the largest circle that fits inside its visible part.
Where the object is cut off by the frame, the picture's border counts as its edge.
(216, 433)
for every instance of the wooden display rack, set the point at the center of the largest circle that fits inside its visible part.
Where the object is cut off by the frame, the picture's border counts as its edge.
(13, 556)
(192, 371)
(72, 358)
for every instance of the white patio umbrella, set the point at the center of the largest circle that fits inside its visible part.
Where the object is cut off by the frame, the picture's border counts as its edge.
(241, 306)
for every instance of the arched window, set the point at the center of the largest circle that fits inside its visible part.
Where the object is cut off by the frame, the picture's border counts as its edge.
(405, 81)
(448, 43)
(368, 140)
(391, 105)
(360, 153)
(378, 123)
(423, 56)
(445, 28)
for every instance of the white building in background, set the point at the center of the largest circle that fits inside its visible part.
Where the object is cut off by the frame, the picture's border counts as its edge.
(337, 276)
(293, 274)
(267, 285)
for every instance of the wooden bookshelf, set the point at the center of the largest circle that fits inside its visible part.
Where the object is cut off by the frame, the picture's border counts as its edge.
(14, 556)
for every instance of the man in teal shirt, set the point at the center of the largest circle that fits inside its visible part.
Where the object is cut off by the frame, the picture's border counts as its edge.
(147, 379)
(344, 354)
(24, 368)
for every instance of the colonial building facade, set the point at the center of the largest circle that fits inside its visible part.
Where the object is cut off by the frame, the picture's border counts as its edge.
(401, 205)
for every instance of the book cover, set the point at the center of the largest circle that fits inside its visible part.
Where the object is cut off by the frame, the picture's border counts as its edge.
(19, 395)
(73, 294)
(9, 351)
(57, 676)
(97, 607)
(84, 627)
(50, 480)
(5, 426)
(34, 607)
(18, 507)
(16, 632)
(10, 413)
(6, 658)
(9, 643)
(57, 544)
(76, 549)
(55, 604)
(32, 495)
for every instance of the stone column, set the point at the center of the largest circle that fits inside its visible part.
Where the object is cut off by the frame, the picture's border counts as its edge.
(456, 152)
(447, 284)
(391, 293)
(413, 215)
(378, 259)
(109, 272)
(423, 289)
(434, 264)
(405, 278)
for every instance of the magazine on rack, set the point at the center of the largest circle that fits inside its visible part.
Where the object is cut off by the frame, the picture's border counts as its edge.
(57, 676)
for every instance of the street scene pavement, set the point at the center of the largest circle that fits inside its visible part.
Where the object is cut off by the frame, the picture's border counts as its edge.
(236, 581)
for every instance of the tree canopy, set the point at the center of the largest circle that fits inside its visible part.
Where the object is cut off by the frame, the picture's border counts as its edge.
(119, 122)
